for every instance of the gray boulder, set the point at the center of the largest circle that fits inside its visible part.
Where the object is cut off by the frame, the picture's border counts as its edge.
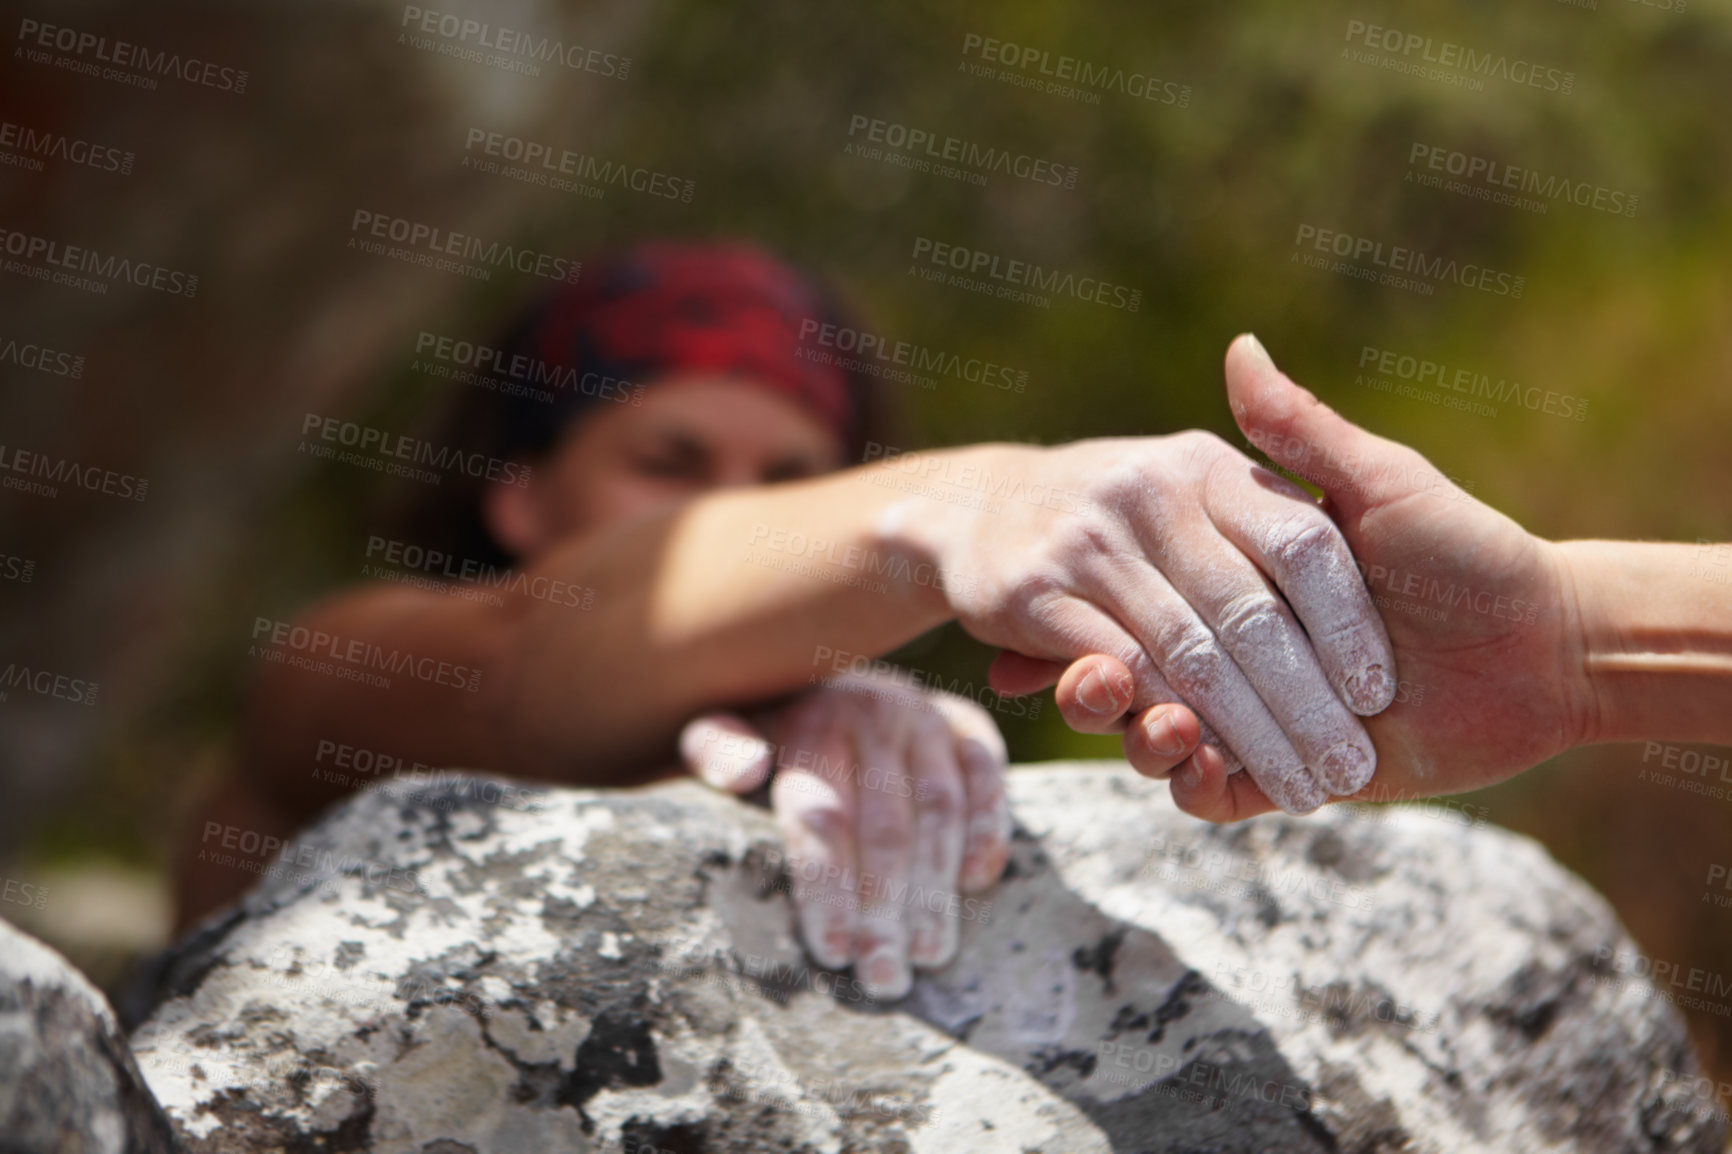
(68, 1084)
(474, 969)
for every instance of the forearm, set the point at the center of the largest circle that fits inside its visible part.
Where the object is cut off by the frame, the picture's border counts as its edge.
(1656, 624)
(732, 599)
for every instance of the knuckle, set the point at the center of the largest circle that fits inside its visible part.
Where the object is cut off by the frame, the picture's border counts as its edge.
(983, 757)
(1202, 441)
(1122, 479)
(967, 716)
(1013, 599)
(828, 822)
(1306, 539)
(944, 798)
(1251, 623)
(1199, 450)
(874, 711)
(886, 831)
(925, 724)
(1192, 660)
(1084, 537)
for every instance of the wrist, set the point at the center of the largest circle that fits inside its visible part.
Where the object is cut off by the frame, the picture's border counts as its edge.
(1655, 638)
(1584, 696)
(933, 506)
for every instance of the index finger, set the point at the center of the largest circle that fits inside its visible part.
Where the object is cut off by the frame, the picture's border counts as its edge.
(982, 758)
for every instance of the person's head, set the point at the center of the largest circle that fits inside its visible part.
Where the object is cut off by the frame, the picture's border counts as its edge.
(674, 369)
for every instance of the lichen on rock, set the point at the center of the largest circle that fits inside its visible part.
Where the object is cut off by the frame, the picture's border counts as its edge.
(620, 971)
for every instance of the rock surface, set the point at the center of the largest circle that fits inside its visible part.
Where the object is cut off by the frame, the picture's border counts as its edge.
(68, 1084)
(619, 972)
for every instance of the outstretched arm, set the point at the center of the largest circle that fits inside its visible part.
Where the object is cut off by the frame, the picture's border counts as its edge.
(1510, 649)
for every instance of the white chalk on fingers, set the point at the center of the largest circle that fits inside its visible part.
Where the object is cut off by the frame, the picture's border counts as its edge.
(728, 755)
(1348, 767)
(1293, 789)
(827, 928)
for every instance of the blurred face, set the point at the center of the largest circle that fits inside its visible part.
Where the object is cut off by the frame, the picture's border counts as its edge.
(690, 435)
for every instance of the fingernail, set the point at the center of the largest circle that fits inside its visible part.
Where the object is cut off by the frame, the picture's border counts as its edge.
(829, 935)
(1163, 735)
(1256, 346)
(1346, 768)
(885, 976)
(935, 943)
(1192, 775)
(1095, 695)
(1370, 691)
(982, 863)
(1299, 792)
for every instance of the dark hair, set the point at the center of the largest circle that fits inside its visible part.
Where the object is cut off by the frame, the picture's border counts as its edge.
(565, 334)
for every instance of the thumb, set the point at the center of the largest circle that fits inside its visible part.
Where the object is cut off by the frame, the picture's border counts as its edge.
(726, 752)
(1014, 674)
(1356, 469)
